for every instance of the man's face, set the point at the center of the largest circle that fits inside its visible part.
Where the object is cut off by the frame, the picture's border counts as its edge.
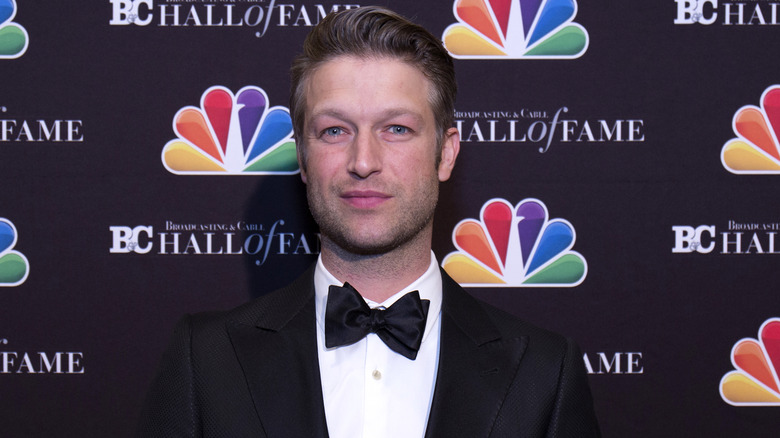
(371, 153)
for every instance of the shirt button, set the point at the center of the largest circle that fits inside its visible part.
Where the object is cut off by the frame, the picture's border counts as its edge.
(376, 375)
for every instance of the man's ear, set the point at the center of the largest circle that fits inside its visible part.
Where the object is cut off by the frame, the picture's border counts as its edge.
(449, 152)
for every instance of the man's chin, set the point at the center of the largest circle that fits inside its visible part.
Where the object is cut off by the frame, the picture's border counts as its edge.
(365, 240)
(369, 247)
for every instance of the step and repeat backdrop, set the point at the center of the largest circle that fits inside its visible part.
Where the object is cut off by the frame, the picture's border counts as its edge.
(618, 182)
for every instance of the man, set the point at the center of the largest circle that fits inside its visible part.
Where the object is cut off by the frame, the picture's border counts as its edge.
(372, 104)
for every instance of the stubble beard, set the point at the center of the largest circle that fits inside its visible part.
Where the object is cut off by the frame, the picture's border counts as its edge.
(406, 227)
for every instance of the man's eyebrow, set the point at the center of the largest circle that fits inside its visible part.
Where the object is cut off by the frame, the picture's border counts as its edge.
(326, 112)
(396, 112)
(386, 114)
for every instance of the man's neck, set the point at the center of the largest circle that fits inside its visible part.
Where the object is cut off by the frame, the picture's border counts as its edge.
(378, 277)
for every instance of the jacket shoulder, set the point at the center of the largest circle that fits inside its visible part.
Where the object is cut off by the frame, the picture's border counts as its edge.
(483, 320)
(272, 310)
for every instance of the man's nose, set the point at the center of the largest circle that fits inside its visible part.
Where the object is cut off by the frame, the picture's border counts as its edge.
(366, 155)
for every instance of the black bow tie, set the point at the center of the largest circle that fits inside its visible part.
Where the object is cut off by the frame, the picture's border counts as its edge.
(348, 319)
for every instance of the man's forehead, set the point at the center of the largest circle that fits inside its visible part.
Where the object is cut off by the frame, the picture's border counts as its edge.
(360, 63)
(386, 84)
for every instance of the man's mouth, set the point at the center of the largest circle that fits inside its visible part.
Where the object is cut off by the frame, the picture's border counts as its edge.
(364, 198)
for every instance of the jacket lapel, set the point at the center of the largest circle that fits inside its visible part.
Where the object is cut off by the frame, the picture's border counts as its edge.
(476, 367)
(276, 345)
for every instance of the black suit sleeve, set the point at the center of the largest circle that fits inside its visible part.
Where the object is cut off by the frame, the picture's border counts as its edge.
(573, 414)
(170, 409)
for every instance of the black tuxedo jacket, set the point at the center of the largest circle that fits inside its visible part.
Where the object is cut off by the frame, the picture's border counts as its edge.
(253, 372)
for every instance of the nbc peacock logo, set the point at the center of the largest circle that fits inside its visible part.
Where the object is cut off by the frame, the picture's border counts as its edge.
(757, 361)
(515, 29)
(13, 37)
(515, 246)
(13, 264)
(232, 135)
(756, 149)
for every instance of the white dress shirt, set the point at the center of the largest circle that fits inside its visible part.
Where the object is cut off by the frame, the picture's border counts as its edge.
(369, 390)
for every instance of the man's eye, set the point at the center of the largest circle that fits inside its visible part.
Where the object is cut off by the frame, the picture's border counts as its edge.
(398, 129)
(334, 131)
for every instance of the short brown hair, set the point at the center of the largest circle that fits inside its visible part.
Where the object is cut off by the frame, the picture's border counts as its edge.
(378, 32)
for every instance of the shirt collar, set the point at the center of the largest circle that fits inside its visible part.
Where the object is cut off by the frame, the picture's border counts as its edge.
(429, 285)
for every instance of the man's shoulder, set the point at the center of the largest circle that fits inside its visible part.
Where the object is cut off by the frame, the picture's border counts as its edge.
(514, 326)
(272, 308)
(506, 324)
